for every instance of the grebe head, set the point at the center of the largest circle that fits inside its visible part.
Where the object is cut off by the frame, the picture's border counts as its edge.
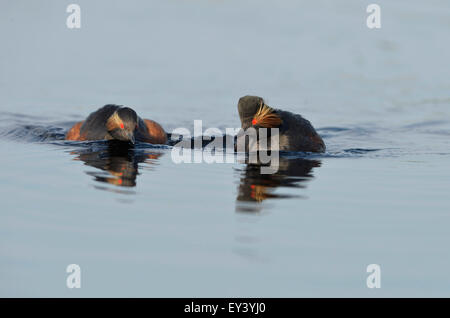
(122, 124)
(254, 112)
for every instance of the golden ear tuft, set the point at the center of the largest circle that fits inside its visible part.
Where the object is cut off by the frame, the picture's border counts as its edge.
(114, 122)
(265, 117)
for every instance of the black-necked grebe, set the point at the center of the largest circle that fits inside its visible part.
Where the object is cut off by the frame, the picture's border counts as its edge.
(295, 132)
(113, 122)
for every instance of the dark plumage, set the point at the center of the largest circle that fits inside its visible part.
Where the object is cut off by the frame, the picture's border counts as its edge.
(113, 122)
(296, 133)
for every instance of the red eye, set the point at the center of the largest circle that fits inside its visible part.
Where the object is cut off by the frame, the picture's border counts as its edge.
(121, 125)
(254, 121)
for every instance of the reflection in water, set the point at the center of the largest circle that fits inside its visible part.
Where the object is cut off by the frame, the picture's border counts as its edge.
(255, 187)
(118, 162)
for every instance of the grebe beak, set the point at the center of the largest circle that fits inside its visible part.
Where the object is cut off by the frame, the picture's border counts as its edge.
(130, 136)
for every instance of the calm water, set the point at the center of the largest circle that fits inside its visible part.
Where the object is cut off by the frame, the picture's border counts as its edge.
(140, 225)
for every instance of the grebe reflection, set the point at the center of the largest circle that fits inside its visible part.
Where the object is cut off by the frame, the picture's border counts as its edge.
(119, 164)
(254, 187)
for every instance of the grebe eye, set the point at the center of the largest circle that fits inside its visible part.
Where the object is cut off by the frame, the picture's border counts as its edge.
(121, 125)
(254, 121)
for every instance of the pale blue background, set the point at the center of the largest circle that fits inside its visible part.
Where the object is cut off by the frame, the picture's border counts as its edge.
(177, 233)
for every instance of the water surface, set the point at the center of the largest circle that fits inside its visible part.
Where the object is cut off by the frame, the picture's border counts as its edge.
(140, 225)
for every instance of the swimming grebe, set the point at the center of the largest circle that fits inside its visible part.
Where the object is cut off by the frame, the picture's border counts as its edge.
(295, 132)
(113, 122)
